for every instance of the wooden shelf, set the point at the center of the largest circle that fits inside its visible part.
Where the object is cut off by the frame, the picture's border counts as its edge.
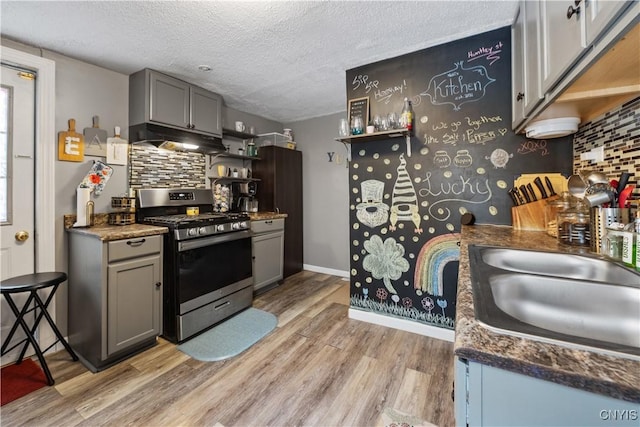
(375, 136)
(232, 156)
(232, 179)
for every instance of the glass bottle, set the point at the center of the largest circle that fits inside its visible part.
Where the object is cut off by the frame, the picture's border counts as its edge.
(406, 118)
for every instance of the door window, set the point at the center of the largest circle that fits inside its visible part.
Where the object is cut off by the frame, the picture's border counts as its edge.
(5, 155)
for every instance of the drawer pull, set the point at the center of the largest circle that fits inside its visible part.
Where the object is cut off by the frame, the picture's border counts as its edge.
(268, 222)
(222, 305)
(136, 242)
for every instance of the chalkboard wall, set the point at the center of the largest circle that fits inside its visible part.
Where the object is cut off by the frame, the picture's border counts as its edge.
(406, 204)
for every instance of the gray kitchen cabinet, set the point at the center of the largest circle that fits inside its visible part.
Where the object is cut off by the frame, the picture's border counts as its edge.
(599, 14)
(268, 252)
(525, 32)
(518, 58)
(158, 98)
(561, 38)
(115, 297)
(581, 67)
(489, 396)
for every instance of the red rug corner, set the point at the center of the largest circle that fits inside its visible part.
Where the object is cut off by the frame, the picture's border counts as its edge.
(19, 380)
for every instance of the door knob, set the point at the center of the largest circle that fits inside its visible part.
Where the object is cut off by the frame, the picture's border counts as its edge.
(22, 235)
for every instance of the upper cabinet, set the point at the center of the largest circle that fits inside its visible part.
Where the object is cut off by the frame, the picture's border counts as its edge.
(158, 98)
(575, 58)
(561, 39)
(526, 62)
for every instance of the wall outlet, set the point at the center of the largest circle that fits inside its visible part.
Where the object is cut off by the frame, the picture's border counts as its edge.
(595, 155)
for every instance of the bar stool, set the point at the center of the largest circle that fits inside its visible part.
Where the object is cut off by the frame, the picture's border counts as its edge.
(32, 283)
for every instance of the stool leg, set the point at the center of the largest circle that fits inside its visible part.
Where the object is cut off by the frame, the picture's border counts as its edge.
(55, 329)
(18, 315)
(33, 342)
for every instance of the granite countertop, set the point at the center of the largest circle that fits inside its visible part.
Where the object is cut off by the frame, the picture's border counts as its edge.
(596, 372)
(258, 216)
(104, 231)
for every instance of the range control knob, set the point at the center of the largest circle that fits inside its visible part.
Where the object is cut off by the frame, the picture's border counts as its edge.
(235, 226)
(202, 230)
(220, 227)
(192, 232)
(243, 224)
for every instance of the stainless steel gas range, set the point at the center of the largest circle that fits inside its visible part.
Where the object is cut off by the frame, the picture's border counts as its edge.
(207, 259)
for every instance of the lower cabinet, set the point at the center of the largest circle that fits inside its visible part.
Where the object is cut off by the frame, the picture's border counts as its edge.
(268, 252)
(115, 297)
(488, 396)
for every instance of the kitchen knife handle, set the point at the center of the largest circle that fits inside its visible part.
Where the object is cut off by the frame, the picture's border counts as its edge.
(519, 196)
(532, 193)
(525, 193)
(622, 183)
(549, 186)
(538, 183)
(514, 198)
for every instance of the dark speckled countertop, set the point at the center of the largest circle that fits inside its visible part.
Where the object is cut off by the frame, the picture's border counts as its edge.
(596, 372)
(259, 216)
(105, 232)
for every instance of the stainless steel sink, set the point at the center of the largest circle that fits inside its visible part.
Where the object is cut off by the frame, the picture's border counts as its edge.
(573, 300)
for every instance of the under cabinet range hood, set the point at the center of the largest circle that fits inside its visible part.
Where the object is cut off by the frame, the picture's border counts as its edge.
(174, 139)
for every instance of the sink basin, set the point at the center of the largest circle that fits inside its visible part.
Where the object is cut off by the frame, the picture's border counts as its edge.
(573, 300)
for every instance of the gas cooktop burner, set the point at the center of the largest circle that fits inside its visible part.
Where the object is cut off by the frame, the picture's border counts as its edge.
(206, 218)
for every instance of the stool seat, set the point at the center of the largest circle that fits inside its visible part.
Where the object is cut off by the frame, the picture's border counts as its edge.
(28, 282)
(31, 284)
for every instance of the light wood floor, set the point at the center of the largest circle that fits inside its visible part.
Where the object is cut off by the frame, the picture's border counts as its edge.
(318, 368)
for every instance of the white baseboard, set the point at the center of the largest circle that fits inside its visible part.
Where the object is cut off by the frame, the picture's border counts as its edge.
(324, 270)
(403, 325)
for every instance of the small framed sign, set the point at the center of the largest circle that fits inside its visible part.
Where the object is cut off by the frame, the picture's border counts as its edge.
(359, 107)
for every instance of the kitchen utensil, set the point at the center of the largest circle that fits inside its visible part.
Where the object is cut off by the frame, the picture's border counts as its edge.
(532, 193)
(593, 177)
(525, 193)
(519, 196)
(599, 198)
(622, 182)
(95, 140)
(549, 186)
(624, 195)
(538, 183)
(577, 186)
(117, 148)
(71, 144)
(514, 198)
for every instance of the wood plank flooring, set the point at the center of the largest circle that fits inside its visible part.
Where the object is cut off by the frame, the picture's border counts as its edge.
(318, 368)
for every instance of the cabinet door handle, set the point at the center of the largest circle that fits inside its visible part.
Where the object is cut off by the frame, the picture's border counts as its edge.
(136, 242)
(520, 96)
(573, 11)
(158, 284)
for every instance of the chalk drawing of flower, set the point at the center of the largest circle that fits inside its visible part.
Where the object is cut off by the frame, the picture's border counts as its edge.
(382, 294)
(428, 304)
(407, 302)
(442, 303)
(385, 260)
(365, 291)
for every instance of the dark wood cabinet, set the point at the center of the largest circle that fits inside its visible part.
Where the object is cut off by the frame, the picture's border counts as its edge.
(280, 189)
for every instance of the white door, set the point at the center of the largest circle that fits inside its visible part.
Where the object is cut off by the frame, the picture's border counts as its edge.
(17, 146)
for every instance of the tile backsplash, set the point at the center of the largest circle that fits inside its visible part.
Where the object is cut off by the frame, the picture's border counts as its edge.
(151, 167)
(618, 131)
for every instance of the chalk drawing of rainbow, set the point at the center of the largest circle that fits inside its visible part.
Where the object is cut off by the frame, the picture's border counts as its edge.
(433, 257)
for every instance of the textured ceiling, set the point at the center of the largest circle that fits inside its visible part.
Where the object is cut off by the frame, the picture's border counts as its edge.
(283, 60)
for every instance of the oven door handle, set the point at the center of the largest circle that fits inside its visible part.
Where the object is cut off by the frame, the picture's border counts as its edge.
(213, 240)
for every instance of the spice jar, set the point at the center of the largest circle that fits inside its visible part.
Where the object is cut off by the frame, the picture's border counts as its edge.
(574, 225)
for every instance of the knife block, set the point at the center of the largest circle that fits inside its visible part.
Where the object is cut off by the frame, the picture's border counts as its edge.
(530, 216)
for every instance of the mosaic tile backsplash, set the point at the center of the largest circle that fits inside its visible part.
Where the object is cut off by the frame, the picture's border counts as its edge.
(151, 167)
(618, 131)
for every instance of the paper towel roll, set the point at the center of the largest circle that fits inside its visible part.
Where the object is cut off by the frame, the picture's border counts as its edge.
(83, 196)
